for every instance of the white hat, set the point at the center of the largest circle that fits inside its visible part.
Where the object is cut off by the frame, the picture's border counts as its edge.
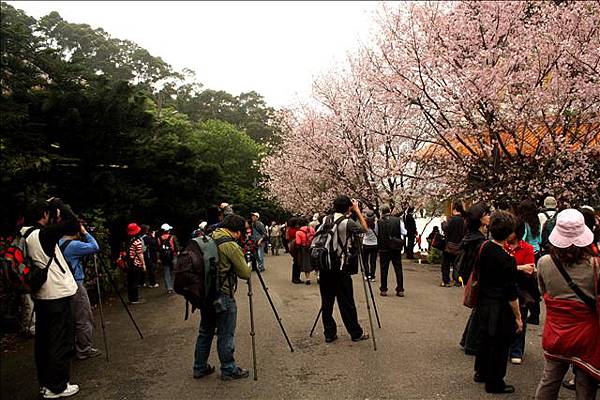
(550, 202)
(257, 214)
(570, 229)
(202, 225)
(223, 205)
(166, 227)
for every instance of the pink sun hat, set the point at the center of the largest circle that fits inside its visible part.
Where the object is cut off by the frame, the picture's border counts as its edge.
(570, 229)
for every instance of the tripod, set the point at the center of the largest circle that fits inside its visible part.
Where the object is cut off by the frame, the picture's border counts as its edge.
(100, 306)
(116, 290)
(362, 268)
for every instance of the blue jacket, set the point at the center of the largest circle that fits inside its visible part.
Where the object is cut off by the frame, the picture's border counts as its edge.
(76, 250)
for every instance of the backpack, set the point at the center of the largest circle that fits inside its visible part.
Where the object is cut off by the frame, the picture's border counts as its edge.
(546, 231)
(385, 238)
(196, 272)
(166, 251)
(19, 269)
(325, 245)
(310, 235)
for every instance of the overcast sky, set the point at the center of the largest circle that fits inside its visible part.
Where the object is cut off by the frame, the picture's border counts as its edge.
(274, 48)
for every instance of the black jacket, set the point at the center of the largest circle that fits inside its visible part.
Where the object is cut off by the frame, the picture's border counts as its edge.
(410, 224)
(469, 247)
(454, 229)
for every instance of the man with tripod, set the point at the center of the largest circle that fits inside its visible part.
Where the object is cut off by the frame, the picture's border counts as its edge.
(222, 314)
(337, 282)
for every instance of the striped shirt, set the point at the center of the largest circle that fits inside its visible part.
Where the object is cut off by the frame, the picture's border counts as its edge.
(136, 253)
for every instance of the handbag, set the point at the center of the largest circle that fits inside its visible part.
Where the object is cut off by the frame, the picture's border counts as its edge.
(438, 242)
(452, 248)
(472, 288)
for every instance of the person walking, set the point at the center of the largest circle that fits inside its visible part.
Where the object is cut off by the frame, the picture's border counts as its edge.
(390, 233)
(304, 237)
(259, 237)
(454, 230)
(167, 252)
(337, 283)
(568, 278)
(292, 228)
(275, 238)
(497, 312)
(150, 256)
(369, 246)
(221, 315)
(75, 245)
(411, 233)
(549, 210)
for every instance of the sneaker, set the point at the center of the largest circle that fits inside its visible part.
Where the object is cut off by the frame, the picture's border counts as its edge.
(372, 279)
(516, 360)
(209, 370)
(69, 391)
(445, 284)
(383, 293)
(170, 291)
(297, 281)
(91, 354)
(237, 374)
(400, 294)
(140, 301)
(154, 286)
(364, 336)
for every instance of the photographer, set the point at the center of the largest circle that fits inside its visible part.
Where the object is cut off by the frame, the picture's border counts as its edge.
(222, 314)
(76, 245)
(259, 236)
(45, 224)
(337, 283)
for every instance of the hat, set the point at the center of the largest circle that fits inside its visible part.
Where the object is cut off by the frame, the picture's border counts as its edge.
(550, 202)
(257, 215)
(369, 214)
(590, 208)
(315, 217)
(570, 229)
(202, 225)
(224, 205)
(166, 227)
(133, 229)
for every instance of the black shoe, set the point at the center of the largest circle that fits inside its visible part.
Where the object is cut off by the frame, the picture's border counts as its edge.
(297, 281)
(91, 354)
(533, 320)
(364, 336)
(307, 281)
(505, 389)
(237, 374)
(478, 378)
(209, 370)
(331, 339)
(470, 352)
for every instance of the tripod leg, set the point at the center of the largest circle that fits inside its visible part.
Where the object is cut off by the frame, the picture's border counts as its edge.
(100, 307)
(370, 291)
(114, 286)
(252, 333)
(266, 290)
(316, 322)
(362, 272)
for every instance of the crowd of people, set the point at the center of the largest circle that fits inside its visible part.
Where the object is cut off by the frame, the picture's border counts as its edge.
(509, 261)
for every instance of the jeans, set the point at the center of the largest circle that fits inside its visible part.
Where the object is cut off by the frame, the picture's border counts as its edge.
(554, 372)
(168, 275)
(224, 323)
(517, 347)
(83, 321)
(53, 343)
(261, 257)
(369, 259)
(447, 261)
(396, 258)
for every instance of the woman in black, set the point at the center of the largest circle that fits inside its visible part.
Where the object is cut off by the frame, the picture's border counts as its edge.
(478, 220)
(454, 230)
(497, 312)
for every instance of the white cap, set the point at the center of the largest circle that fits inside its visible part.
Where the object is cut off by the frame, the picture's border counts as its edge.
(202, 225)
(257, 214)
(166, 227)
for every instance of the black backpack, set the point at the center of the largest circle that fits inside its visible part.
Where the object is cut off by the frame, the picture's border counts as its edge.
(323, 249)
(546, 231)
(197, 272)
(165, 251)
(389, 236)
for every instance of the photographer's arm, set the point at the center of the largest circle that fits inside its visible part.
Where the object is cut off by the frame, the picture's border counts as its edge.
(361, 218)
(235, 255)
(50, 235)
(85, 247)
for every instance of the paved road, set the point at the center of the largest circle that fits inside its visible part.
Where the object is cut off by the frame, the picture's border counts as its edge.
(417, 356)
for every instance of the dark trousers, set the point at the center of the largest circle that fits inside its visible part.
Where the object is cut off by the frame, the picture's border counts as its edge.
(369, 259)
(133, 292)
(396, 258)
(150, 274)
(410, 245)
(469, 337)
(517, 347)
(54, 344)
(338, 285)
(295, 269)
(447, 262)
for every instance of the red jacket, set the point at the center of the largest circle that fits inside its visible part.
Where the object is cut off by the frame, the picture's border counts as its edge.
(304, 236)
